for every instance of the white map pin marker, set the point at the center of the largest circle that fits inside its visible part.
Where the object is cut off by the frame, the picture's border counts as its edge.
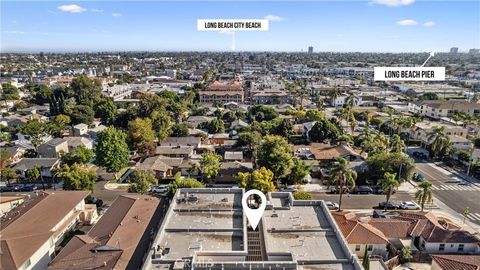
(253, 215)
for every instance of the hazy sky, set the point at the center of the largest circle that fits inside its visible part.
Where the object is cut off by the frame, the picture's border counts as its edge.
(376, 26)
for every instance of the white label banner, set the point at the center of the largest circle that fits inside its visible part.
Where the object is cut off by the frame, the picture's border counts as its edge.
(409, 73)
(232, 25)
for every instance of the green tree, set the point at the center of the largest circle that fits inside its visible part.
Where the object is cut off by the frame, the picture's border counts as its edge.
(9, 92)
(106, 110)
(429, 96)
(141, 181)
(181, 182)
(262, 113)
(464, 156)
(324, 130)
(36, 130)
(381, 163)
(315, 115)
(366, 259)
(180, 130)
(86, 90)
(8, 174)
(342, 177)
(81, 114)
(112, 149)
(406, 255)
(252, 141)
(35, 174)
(284, 129)
(397, 145)
(302, 195)
(140, 132)
(81, 155)
(76, 177)
(389, 183)
(299, 170)
(274, 154)
(424, 193)
(193, 168)
(42, 94)
(162, 124)
(439, 141)
(211, 164)
(214, 126)
(261, 179)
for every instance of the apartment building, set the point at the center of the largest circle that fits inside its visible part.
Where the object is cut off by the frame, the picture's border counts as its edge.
(207, 229)
(44, 218)
(223, 92)
(438, 109)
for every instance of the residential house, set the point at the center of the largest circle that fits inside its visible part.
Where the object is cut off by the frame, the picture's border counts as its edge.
(420, 132)
(175, 151)
(53, 148)
(80, 129)
(161, 166)
(360, 235)
(194, 121)
(119, 240)
(195, 142)
(76, 142)
(233, 156)
(46, 165)
(432, 235)
(229, 171)
(460, 262)
(46, 219)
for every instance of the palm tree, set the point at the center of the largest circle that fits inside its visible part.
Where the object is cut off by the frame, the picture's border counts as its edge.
(397, 145)
(439, 141)
(342, 177)
(389, 183)
(424, 193)
(333, 94)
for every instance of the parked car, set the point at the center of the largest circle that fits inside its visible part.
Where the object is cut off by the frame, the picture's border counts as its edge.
(29, 188)
(418, 177)
(420, 155)
(93, 200)
(410, 205)
(289, 189)
(362, 190)
(331, 205)
(380, 214)
(336, 190)
(11, 188)
(379, 190)
(389, 205)
(159, 189)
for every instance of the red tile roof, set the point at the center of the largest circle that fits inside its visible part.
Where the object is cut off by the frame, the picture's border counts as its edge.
(457, 262)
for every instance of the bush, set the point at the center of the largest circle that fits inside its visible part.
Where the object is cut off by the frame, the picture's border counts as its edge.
(302, 195)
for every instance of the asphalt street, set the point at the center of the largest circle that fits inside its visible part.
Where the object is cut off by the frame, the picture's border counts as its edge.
(361, 201)
(452, 190)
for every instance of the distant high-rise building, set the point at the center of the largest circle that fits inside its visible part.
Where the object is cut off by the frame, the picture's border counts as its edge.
(474, 51)
(310, 49)
(454, 50)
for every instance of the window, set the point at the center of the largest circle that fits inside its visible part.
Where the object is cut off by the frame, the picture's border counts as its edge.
(357, 248)
(370, 247)
(460, 247)
(26, 264)
(441, 247)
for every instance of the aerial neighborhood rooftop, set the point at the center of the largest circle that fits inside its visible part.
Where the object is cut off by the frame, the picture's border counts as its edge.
(142, 160)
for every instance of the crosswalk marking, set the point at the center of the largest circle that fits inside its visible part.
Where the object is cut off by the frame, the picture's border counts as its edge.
(457, 187)
(474, 216)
